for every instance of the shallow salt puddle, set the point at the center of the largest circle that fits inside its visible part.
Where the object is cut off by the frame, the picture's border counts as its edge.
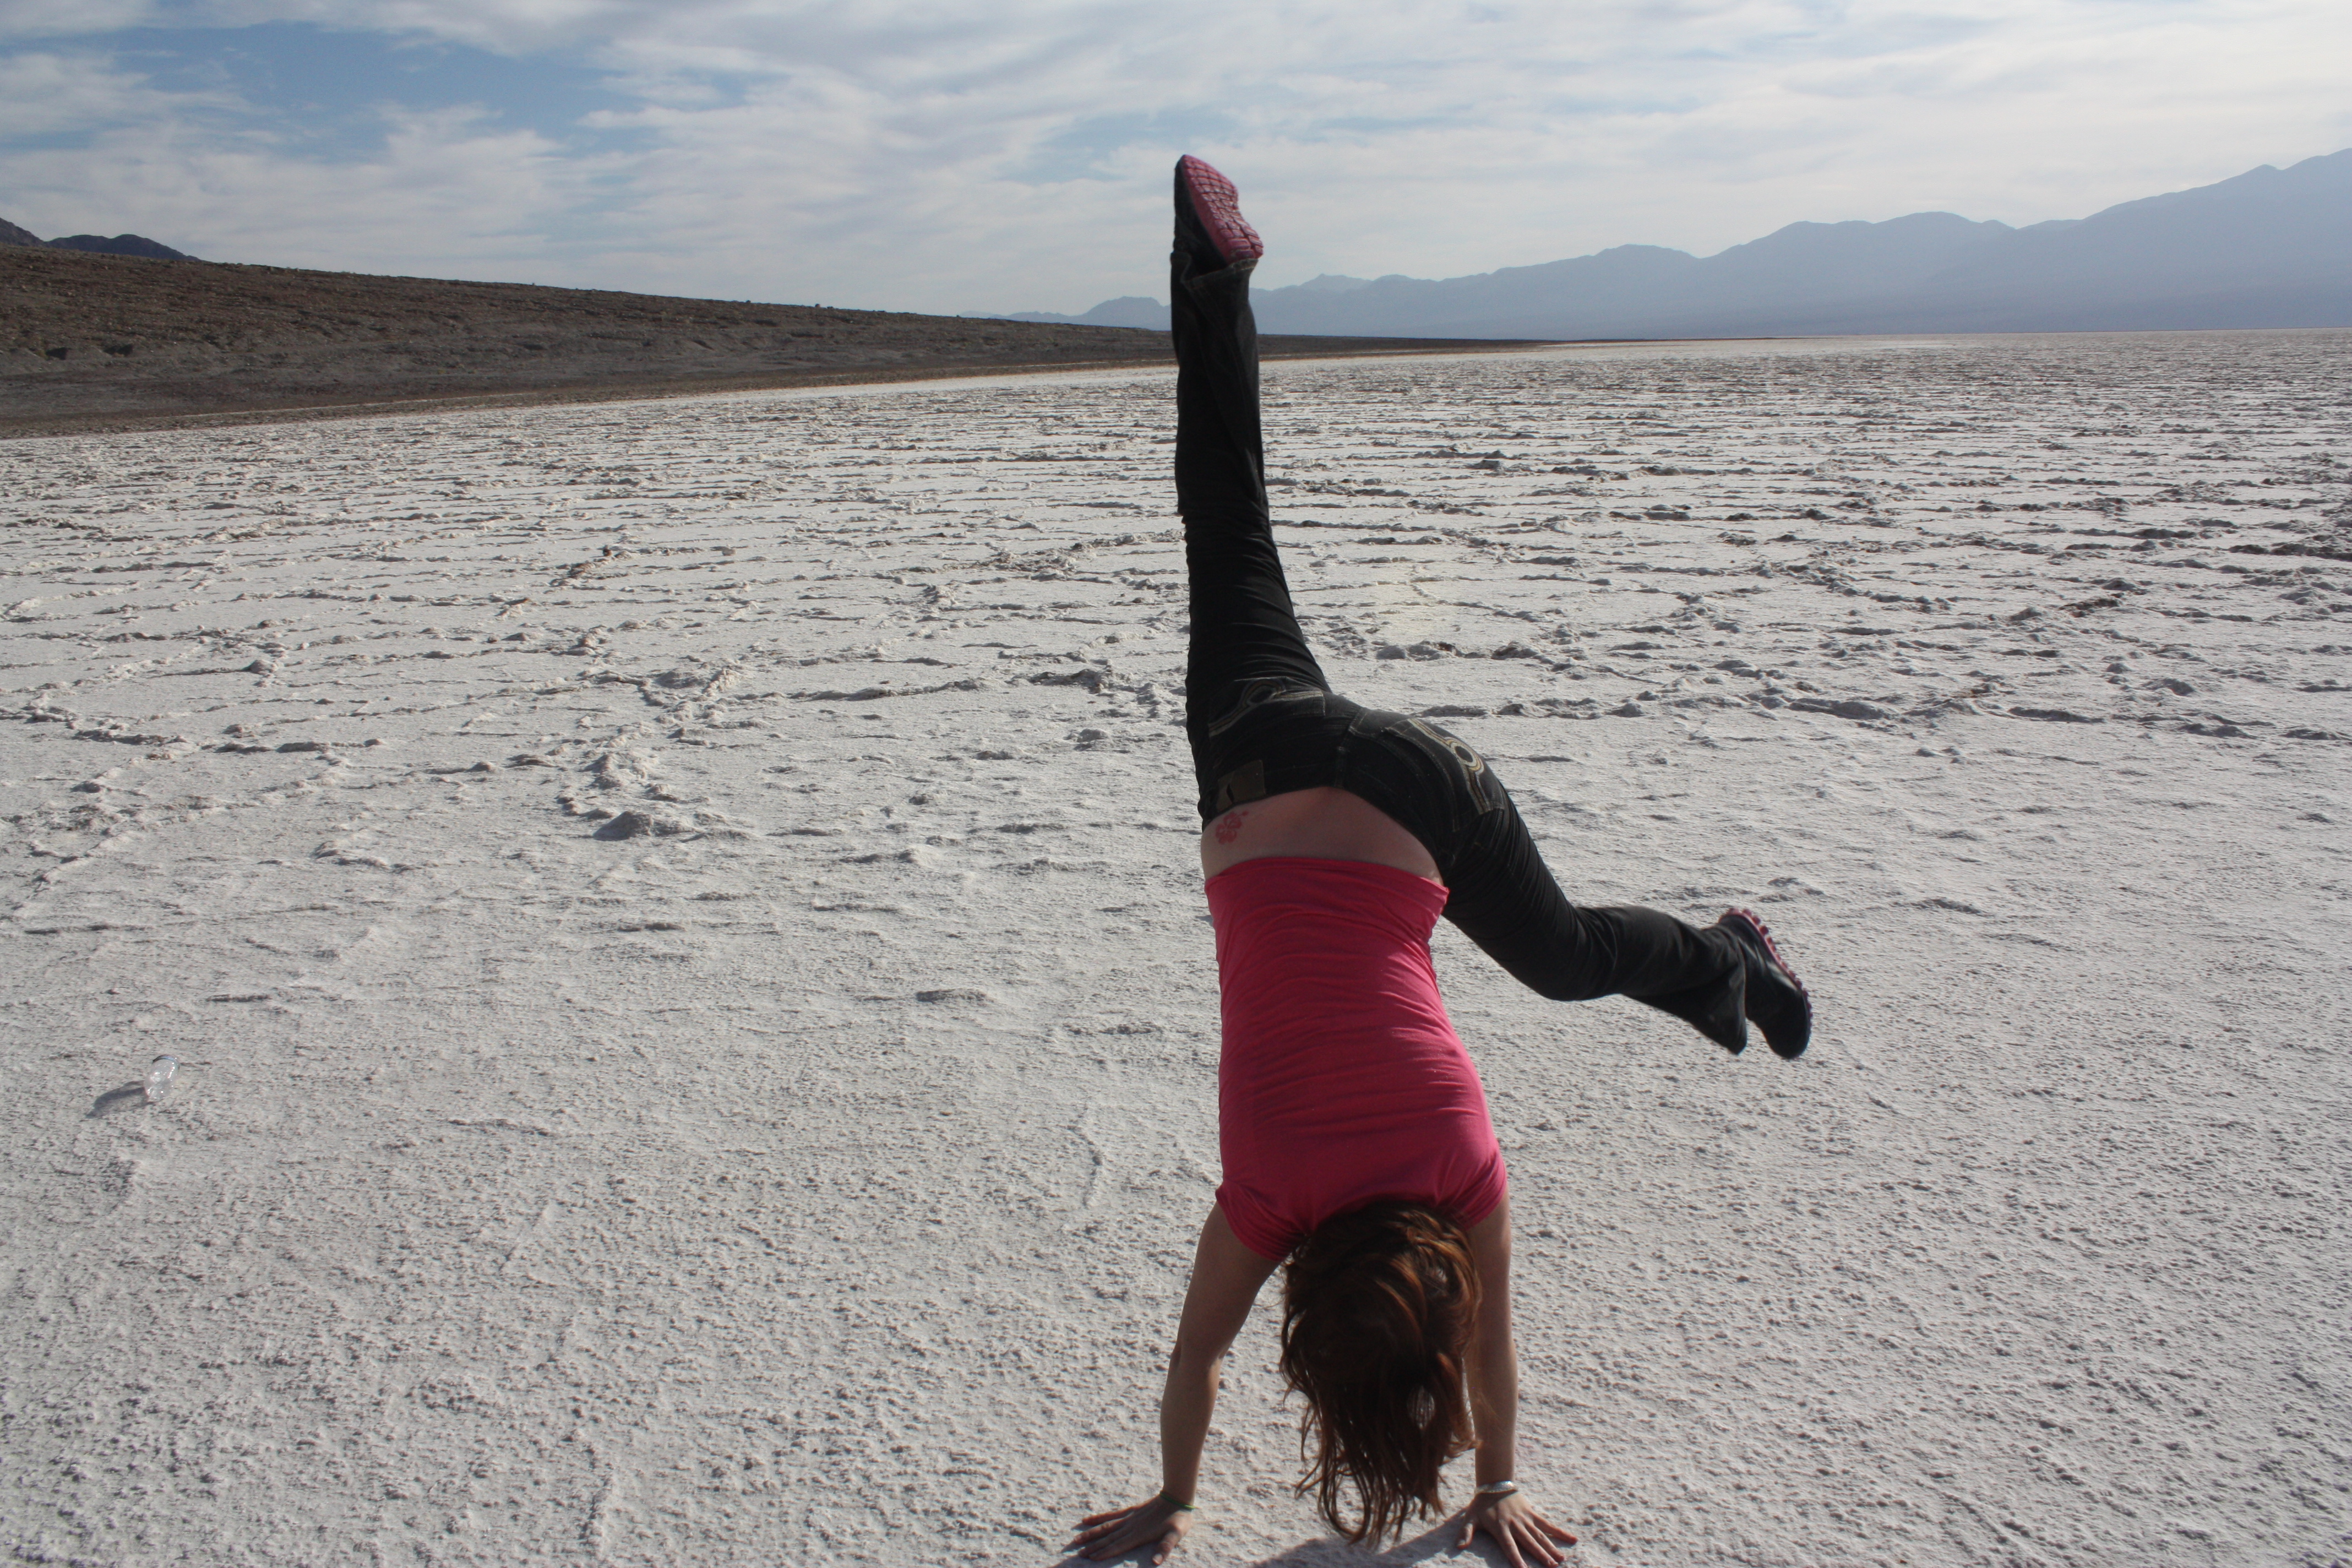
(698, 1029)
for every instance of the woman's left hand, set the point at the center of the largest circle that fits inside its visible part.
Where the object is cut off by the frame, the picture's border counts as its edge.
(1524, 1535)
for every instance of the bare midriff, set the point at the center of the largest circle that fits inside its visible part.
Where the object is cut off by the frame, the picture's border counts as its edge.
(1322, 824)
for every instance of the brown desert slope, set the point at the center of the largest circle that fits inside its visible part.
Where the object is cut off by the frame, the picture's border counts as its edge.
(96, 342)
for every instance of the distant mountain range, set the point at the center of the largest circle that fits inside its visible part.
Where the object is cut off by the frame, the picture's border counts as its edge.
(2271, 247)
(121, 244)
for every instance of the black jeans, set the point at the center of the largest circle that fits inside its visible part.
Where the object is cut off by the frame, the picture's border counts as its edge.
(1263, 720)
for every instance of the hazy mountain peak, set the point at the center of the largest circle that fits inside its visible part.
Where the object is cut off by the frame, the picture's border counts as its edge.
(2269, 247)
(1913, 228)
(1126, 310)
(121, 244)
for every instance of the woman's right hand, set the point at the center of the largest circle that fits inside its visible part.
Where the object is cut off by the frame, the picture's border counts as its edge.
(1518, 1528)
(1103, 1536)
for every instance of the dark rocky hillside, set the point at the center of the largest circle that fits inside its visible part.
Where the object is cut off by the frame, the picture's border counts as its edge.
(94, 341)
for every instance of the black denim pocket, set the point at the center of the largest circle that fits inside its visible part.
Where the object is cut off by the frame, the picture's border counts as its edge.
(1434, 785)
(1475, 780)
(1278, 736)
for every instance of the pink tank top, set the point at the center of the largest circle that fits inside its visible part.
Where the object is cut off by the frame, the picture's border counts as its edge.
(1341, 1081)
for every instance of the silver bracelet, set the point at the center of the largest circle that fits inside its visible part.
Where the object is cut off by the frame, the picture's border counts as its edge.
(1499, 1488)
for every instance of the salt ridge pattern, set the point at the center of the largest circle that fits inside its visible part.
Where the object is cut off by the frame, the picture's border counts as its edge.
(680, 926)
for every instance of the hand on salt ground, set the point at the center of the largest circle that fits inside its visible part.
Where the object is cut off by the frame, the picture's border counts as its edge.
(1122, 1530)
(1524, 1535)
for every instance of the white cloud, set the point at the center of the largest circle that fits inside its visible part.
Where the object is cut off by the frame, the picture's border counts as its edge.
(445, 198)
(45, 18)
(940, 156)
(51, 93)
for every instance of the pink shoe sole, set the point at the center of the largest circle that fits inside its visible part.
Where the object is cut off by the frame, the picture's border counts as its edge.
(1218, 206)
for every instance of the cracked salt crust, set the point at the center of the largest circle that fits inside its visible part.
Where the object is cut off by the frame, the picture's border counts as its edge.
(810, 1176)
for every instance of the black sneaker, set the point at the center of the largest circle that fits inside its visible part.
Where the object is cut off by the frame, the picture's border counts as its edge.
(1776, 999)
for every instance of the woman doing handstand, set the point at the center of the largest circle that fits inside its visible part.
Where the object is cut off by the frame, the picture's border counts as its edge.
(1352, 1126)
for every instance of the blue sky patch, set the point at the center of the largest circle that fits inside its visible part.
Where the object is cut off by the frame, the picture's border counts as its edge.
(323, 93)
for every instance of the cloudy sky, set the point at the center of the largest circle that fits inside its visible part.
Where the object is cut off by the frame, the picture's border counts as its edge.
(976, 155)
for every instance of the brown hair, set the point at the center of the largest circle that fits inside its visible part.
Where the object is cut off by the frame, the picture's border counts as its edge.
(1377, 1310)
